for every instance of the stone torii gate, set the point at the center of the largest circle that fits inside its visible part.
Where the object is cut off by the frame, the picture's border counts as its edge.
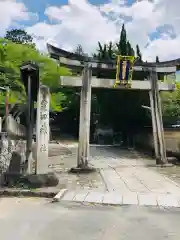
(89, 67)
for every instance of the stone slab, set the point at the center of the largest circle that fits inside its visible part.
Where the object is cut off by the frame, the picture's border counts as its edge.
(166, 200)
(130, 198)
(112, 180)
(152, 180)
(147, 199)
(60, 194)
(134, 184)
(94, 197)
(69, 196)
(80, 197)
(112, 198)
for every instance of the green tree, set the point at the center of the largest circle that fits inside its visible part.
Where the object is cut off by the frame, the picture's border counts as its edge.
(79, 50)
(138, 53)
(157, 59)
(122, 44)
(171, 105)
(108, 51)
(19, 36)
(130, 50)
(13, 56)
(102, 51)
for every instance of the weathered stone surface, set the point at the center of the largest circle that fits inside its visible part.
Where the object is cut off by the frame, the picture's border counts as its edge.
(42, 180)
(130, 198)
(147, 199)
(166, 200)
(112, 198)
(94, 197)
(14, 179)
(60, 194)
(80, 196)
(42, 130)
(69, 196)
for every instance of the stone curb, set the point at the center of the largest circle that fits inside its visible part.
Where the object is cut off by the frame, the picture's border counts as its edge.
(26, 193)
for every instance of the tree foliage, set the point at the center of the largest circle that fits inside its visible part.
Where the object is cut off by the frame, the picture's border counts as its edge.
(12, 55)
(157, 59)
(19, 36)
(79, 50)
(171, 105)
(138, 53)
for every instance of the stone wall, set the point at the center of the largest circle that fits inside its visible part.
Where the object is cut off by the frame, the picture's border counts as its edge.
(172, 139)
(7, 148)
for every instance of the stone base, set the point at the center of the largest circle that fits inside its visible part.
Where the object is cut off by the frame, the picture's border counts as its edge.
(30, 181)
(165, 165)
(83, 170)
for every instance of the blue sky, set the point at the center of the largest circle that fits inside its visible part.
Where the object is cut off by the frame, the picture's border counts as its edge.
(153, 25)
(40, 5)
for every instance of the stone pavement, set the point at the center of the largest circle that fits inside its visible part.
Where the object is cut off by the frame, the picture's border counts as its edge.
(127, 177)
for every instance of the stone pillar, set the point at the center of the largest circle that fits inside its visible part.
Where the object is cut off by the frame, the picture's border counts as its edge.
(154, 125)
(4, 153)
(158, 117)
(87, 114)
(84, 126)
(0, 124)
(42, 130)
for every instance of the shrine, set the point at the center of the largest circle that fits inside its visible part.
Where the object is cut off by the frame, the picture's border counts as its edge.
(90, 73)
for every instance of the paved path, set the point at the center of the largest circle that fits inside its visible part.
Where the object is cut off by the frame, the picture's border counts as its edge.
(129, 178)
(38, 219)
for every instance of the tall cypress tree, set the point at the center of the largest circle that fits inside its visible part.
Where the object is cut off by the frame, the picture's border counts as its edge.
(138, 53)
(130, 50)
(157, 59)
(79, 50)
(122, 44)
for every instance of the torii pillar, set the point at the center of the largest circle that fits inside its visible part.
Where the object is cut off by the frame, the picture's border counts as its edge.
(84, 123)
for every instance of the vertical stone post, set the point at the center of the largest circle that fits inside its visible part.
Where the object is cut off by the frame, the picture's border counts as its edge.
(154, 125)
(81, 129)
(4, 153)
(87, 116)
(84, 125)
(42, 130)
(0, 124)
(30, 120)
(158, 117)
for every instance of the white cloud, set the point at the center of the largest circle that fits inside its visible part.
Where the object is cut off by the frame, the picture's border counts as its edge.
(80, 22)
(10, 13)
